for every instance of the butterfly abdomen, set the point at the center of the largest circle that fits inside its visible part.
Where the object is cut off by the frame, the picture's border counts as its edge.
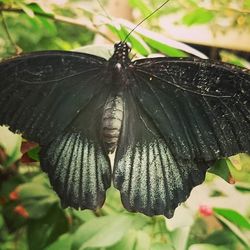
(112, 121)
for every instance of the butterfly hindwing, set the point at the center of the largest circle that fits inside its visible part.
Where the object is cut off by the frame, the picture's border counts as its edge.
(147, 173)
(41, 92)
(200, 107)
(76, 161)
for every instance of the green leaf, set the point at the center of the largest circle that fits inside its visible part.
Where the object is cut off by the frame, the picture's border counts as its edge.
(142, 6)
(83, 216)
(198, 16)
(37, 199)
(34, 153)
(64, 242)
(221, 168)
(33, 190)
(26, 9)
(246, 4)
(137, 43)
(42, 232)
(234, 229)
(13, 157)
(180, 237)
(1, 221)
(242, 186)
(233, 59)
(127, 242)
(143, 241)
(13, 222)
(161, 246)
(115, 28)
(163, 44)
(233, 216)
(206, 247)
(35, 7)
(101, 232)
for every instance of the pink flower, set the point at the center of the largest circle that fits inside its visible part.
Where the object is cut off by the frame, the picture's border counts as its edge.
(205, 210)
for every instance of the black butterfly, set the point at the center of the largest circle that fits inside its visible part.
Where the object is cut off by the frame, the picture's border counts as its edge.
(169, 118)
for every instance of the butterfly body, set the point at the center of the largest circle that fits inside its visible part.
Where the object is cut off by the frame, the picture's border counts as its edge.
(112, 121)
(167, 118)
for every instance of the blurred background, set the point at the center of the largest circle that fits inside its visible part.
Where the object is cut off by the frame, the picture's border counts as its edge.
(215, 216)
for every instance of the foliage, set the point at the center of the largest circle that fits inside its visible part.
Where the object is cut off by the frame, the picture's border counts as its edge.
(30, 213)
(194, 12)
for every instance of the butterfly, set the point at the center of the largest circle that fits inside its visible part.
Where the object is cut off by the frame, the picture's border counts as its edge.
(167, 119)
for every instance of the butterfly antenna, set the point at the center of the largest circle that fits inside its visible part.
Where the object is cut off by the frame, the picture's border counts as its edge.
(104, 10)
(142, 21)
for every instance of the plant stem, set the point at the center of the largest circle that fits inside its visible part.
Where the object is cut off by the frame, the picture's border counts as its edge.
(62, 19)
(18, 50)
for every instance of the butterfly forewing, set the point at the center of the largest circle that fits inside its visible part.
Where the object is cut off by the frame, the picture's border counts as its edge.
(201, 108)
(42, 92)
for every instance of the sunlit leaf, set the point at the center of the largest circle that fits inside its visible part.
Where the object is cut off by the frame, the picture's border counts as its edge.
(236, 161)
(127, 242)
(178, 222)
(233, 216)
(246, 4)
(180, 237)
(142, 6)
(84, 216)
(198, 16)
(161, 246)
(143, 241)
(206, 247)
(232, 58)
(101, 232)
(26, 9)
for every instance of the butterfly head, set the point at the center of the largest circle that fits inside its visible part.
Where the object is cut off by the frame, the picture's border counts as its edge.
(121, 52)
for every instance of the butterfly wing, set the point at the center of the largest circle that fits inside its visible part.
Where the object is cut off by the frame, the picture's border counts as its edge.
(56, 98)
(202, 108)
(150, 177)
(41, 92)
(181, 115)
(76, 161)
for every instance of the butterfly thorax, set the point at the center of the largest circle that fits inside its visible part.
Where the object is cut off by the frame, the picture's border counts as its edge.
(118, 65)
(120, 59)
